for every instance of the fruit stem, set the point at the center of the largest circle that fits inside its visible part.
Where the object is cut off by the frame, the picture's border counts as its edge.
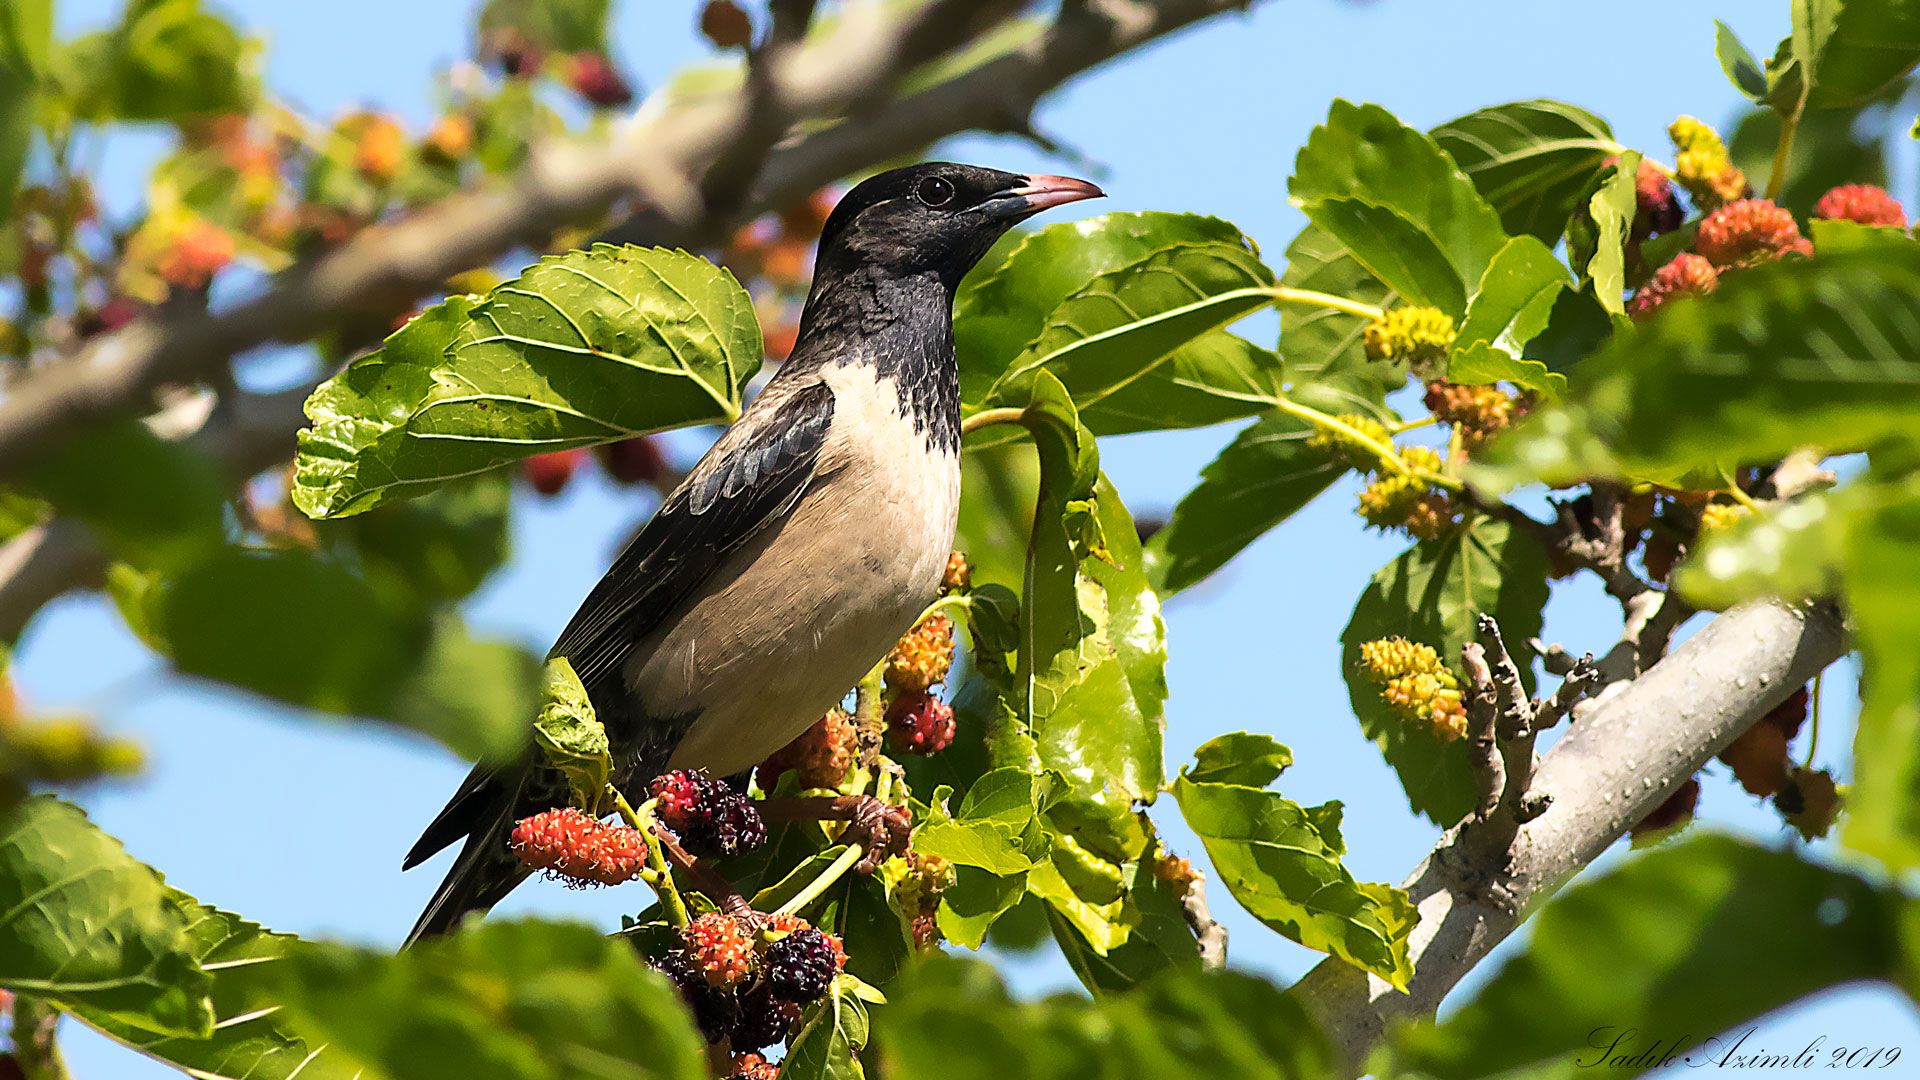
(1288, 295)
(834, 872)
(1789, 123)
(657, 875)
(988, 418)
(1734, 489)
(868, 717)
(1390, 459)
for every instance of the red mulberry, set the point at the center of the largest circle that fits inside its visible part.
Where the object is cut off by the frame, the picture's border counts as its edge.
(1686, 275)
(1751, 230)
(920, 724)
(720, 949)
(1864, 203)
(921, 658)
(820, 757)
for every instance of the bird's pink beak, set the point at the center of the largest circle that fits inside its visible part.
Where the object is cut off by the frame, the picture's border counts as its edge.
(1045, 192)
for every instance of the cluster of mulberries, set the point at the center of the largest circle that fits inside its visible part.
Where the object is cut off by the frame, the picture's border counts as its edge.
(1749, 231)
(1416, 336)
(1702, 165)
(1478, 413)
(919, 723)
(922, 658)
(820, 757)
(1717, 516)
(1687, 275)
(1329, 441)
(1810, 802)
(579, 849)
(1176, 872)
(752, 1066)
(914, 883)
(1398, 501)
(749, 988)
(1416, 685)
(1861, 203)
(1806, 798)
(630, 461)
(709, 817)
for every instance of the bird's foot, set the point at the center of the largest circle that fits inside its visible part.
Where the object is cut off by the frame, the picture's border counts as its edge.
(872, 824)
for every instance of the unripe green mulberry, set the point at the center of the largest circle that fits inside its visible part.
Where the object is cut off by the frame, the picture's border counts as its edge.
(1419, 336)
(1717, 516)
(1416, 685)
(1397, 501)
(1329, 440)
(1702, 166)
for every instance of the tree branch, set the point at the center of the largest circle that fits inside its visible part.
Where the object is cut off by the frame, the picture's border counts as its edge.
(1622, 759)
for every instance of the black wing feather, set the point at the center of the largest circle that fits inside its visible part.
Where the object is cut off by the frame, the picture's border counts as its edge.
(751, 478)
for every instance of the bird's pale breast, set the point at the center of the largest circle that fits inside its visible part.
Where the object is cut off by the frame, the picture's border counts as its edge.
(794, 620)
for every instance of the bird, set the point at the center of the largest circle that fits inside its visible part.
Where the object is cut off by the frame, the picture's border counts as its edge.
(802, 545)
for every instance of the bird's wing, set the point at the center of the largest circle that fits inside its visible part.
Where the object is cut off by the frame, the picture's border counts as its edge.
(749, 480)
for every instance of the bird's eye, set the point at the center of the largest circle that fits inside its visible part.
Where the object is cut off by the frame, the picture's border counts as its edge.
(934, 191)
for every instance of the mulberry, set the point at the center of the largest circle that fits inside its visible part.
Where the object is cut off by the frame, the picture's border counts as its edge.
(1675, 812)
(720, 949)
(764, 1019)
(1478, 413)
(920, 724)
(567, 843)
(1686, 275)
(1748, 231)
(1863, 203)
(800, 966)
(1702, 165)
(1327, 440)
(820, 756)
(1418, 336)
(1657, 207)
(1416, 685)
(715, 1011)
(922, 658)
(959, 575)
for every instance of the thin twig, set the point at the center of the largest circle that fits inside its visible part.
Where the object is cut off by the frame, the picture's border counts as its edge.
(1483, 715)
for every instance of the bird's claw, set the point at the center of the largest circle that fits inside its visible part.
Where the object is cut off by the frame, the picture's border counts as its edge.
(882, 829)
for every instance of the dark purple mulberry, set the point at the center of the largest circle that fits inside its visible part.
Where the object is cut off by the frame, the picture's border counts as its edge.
(733, 826)
(764, 1019)
(801, 965)
(716, 1012)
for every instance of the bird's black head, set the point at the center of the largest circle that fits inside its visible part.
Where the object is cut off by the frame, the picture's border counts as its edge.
(935, 218)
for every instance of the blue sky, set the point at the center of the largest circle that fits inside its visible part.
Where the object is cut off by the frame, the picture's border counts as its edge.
(300, 822)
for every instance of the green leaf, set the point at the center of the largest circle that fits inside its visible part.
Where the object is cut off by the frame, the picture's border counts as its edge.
(997, 489)
(1124, 323)
(1675, 930)
(831, 1034)
(975, 901)
(1512, 304)
(954, 1020)
(1399, 203)
(26, 33)
(583, 348)
(1852, 50)
(167, 60)
(572, 738)
(1002, 309)
(1212, 379)
(84, 925)
(248, 1041)
(1431, 595)
(1530, 159)
(1240, 758)
(1576, 328)
(1597, 239)
(1882, 578)
(1158, 937)
(1324, 344)
(507, 1000)
(158, 504)
(1823, 352)
(1266, 475)
(1831, 147)
(1743, 71)
(438, 547)
(1838, 237)
(1792, 551)
(1275, 859)
(305, 630)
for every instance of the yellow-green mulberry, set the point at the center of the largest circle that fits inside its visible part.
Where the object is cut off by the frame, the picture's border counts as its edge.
(1420, 336)
(1717, 516)
(1397, 501)
(1329, 440)
(1702, 165)
(1416, 685)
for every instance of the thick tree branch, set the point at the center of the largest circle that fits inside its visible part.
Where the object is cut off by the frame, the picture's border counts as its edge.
(659, 166)
(1622, 759)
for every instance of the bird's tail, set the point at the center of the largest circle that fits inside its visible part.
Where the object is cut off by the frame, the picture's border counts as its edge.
(486, 869)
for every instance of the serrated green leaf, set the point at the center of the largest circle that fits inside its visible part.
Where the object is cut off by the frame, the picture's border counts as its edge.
(1159, 938)
(1274, 859)
(511, 1000)
(1674, 928)
(1431, 595)
(85, 926)
(1001, 309)
(1512, 304)
(1239, 758)
(1800, 352)
(975, 901)
(1399, 203)
(248, 1041)
(1530, 159)
(582, 348)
